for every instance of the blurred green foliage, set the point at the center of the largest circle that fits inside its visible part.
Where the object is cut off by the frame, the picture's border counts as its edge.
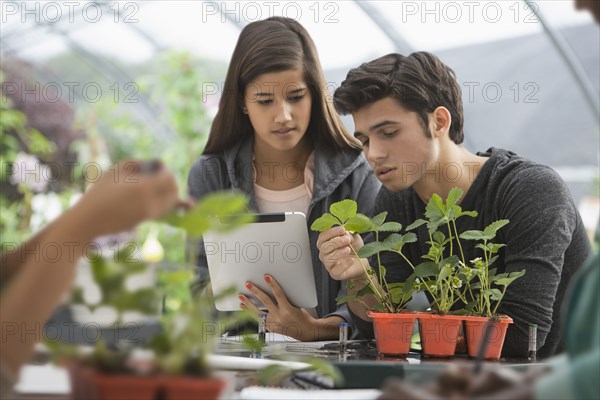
(16, 136)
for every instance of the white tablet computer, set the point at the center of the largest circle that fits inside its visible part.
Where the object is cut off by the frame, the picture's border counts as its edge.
(275, 244)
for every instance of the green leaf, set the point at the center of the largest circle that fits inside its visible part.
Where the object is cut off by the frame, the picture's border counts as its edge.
(453, 197)
(345, 298)
(390, 227)
(439, 237)
(410, 237)
(458, 212)
(359, 223)
(494, 247)
(379, 218)
(471, 305)
(434, 211)
(491, 229)
(495, 294)
(481, 246)
(505, 280)
(326, 221)
(344, 210)
(396, 241)
(382, 271)
(367, 289)
(273, 375)
(372, 248)
(472, 235)
(434, 225)
(161, 344)
(221, 211)
(445, 271)
(253, 344)
(416, 224)
(401, 292)
(426, 269)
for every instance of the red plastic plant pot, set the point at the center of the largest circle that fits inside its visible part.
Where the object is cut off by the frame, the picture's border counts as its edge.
(393, 331)
(474, 333)
(87, 383)
(439, 334)
(188, 388)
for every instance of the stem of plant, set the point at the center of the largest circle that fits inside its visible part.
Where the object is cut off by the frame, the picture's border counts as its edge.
(451, 236)
(367, 274)
(379, 262)
(462, 255)
(498, 303)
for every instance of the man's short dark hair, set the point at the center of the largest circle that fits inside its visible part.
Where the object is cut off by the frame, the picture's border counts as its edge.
(420, 83)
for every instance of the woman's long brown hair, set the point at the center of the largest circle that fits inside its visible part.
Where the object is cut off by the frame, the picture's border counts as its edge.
(274, 45)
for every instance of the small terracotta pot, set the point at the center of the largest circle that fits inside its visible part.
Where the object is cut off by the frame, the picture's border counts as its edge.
(90, 384)
(188, 388)
(474, 333)
(393, 331)
(439, 334)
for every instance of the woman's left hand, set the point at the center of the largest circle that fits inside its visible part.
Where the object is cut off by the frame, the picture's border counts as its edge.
(282, 316)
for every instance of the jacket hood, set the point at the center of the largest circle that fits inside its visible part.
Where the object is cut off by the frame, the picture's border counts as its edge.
(331, 167)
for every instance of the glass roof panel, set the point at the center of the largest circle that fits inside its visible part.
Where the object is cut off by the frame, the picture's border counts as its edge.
(518, 91)
(116, 41)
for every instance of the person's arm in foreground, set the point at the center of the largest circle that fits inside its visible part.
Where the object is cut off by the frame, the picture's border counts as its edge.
(119, 201)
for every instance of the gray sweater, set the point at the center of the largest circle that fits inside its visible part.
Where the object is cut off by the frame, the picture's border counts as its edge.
(545, 236)
(338, 175)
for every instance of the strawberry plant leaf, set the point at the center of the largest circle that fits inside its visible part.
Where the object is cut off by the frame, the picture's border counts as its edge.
(344, 210)
(416, 224)
(326, 221)
(360, 223)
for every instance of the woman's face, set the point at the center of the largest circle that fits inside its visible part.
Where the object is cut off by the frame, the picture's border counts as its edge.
(279, 105)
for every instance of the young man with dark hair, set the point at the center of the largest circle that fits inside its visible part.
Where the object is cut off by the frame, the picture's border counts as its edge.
(408, 116)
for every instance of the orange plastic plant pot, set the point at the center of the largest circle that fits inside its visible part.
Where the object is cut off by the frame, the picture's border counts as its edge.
(393, 332)
(183, 388)
(439, 334)
(474, 333)
(87, 383)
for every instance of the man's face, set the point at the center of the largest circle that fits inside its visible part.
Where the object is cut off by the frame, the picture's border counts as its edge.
(395, 144)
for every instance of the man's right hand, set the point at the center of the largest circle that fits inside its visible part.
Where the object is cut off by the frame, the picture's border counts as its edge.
(337, 257)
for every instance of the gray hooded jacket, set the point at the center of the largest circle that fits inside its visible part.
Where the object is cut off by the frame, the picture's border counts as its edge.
(338, 175)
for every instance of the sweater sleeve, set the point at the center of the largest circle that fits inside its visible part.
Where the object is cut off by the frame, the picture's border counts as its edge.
(542, 221)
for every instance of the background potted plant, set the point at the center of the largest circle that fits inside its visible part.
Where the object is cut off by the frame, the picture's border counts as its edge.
(174, 365)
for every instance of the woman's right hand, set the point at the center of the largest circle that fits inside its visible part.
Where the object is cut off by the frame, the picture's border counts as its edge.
(336, 255)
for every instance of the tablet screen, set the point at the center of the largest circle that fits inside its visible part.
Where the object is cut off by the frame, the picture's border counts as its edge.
(276, 244)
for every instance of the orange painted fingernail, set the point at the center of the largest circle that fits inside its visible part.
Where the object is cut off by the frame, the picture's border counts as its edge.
(241, 297)
(267, 279)
(249, 286)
